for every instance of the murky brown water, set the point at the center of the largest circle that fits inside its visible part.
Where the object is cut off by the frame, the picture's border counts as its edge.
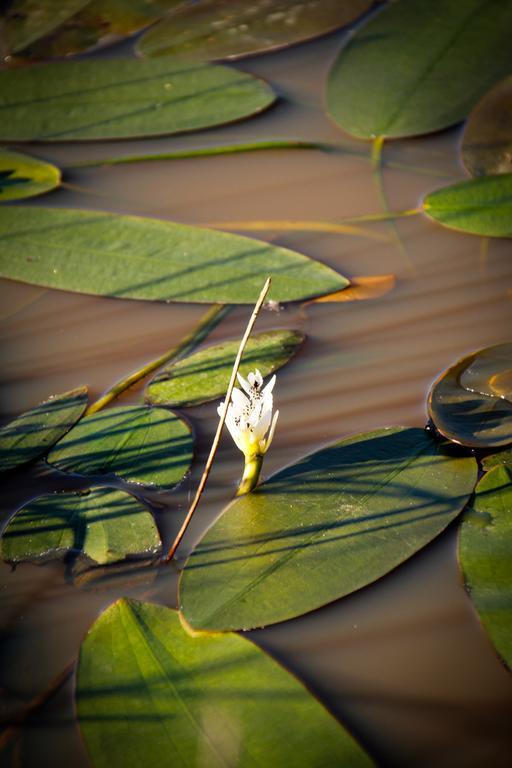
(404, 663)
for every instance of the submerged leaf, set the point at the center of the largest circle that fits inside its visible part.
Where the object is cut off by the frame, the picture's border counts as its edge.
(490, 373)
(205, 375)
(485, 544)
(135, 258)
(323, 528)
(33, 432)
(123, 98)
(25, 21)
(501, 458)
(487, 142)
(361, 289)
(105, 525)
(148, 446)
(147, 692)
(419, 66)
(23, 176)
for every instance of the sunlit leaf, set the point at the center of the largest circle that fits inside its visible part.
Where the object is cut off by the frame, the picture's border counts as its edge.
(419, 66)
(135, 258)
(485, 545)
(323, 528)
(24, 176)
(105, 525)
(205, 375)
(121, 98)
(228, 29)
(487, 142)
(361, 289)
(481, 206)
(473, 418)
(33, 432)
(150, 694)
(500, 458)
(25, 21)
(148, 446)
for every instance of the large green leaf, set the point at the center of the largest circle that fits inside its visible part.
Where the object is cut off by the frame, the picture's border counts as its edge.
(419, 66)
(487, 142)
(481, 206)
(135, 258)
(25, 21)
(33, 432)
(485, 545)
(121, 98)
(498, 459)
(472, 418)
(105, 525)
(205, 375)
(149, 446)
(150, 694)
(331, 524)
(227, 29)
(24, 176)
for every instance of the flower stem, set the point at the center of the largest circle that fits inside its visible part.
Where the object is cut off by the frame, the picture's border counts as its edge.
(251, 474)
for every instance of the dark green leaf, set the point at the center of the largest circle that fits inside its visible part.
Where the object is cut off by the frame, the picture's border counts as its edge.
(323, 528)
(485, 545)
(135, 258)
(471, 418)
(487, 141)
(33, 432)
(501, 458)
(149, 446)
(150, 694)
(205, 375)
(419, 66)
(105, 525)
(121, 98)
(24, 176)
(480, 206)
(25, 21)
(228, 29)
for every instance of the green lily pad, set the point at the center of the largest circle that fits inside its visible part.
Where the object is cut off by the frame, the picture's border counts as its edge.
(149, 693)
(490, 373)
(205, 375)
(498, 459)
(31, 433)
(419, 66)
(487, 142)
(148, 446)
(136, 258)
(123, 98)
(23, 176)
(105, 525)
(323, 528)
(229, 29)
(485, 544)
(25, 21)
(481, 206)
(470, 418)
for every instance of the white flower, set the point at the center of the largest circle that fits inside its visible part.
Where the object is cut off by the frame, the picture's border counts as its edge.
(249, 415)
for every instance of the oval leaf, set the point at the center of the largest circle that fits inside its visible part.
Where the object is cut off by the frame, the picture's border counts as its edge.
(205, 375)
(501, 458)
(469, 418)
(419, 66)
(485, 544)
(33, 432)
(23, 176)
(490, 373)
(480, 206)
(228, 29)
(148, 446)
(323, 528)
(25, 21)
(487, 142)
(122, 98)
(147, 692)
(135, 258)
(105, 525)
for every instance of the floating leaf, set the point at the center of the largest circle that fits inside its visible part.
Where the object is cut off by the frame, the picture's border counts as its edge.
(149, 446)
(25, 21)
(501, 458)
(490, 373)
(361, 289)
(105, 525)
(228, 29)
(149, 693)
(470, 418)
(205, 375)
(419, 66)
(33, 432)
(487, 142)
(24, 176)
(481, 206)
(323, 528)
(484, 555)
(123, 98)
(135, 258)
